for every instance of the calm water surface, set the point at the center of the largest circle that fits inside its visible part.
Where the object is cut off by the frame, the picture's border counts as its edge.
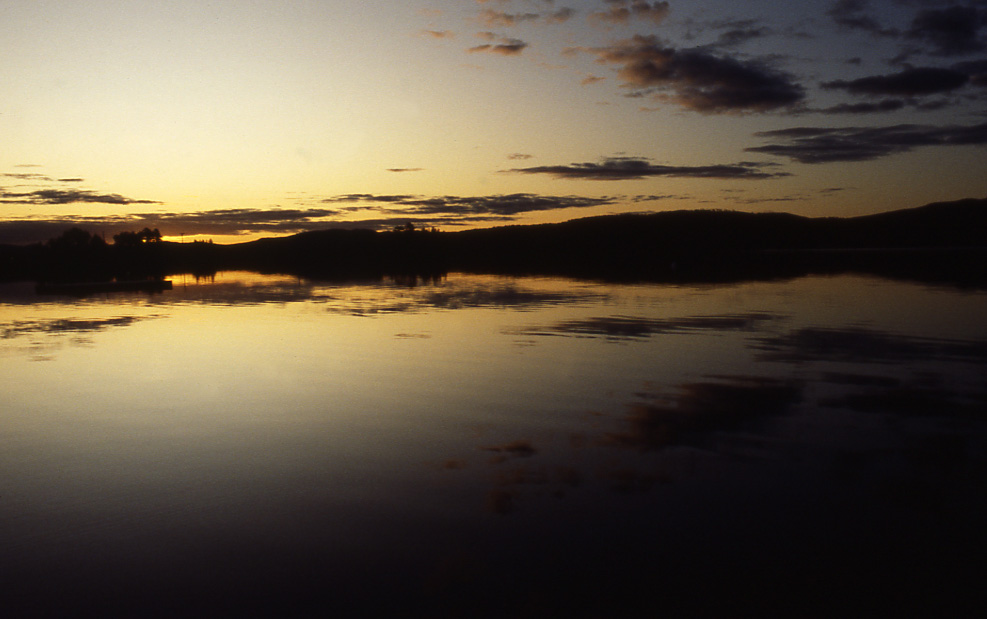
(488, 446)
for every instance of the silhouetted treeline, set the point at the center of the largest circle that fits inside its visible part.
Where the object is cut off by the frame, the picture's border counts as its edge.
(937, 242)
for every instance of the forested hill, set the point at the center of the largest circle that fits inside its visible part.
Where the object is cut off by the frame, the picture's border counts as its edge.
(714, 244)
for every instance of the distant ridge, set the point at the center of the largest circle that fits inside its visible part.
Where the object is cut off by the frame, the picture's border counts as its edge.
(714, 245)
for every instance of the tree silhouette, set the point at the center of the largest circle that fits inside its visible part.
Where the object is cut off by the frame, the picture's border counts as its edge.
(134, 239)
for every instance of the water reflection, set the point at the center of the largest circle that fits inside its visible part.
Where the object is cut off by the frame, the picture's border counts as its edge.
(631, 327)
(697, 410)
(864, 345)
(267, 445)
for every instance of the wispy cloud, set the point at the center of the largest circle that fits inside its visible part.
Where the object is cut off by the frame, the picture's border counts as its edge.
(439, 34)
(832, 144)
(856, 15)
(497, 19)
(623, 11)
(503, 46)
(501, 19)
(631, 168)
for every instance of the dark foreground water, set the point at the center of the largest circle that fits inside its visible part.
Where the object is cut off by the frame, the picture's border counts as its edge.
(481, 446)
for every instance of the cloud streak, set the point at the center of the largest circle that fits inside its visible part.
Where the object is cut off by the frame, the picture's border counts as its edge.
(912, 82)
(67, 196)
(840, 144)
(634, 168)
(503, 46)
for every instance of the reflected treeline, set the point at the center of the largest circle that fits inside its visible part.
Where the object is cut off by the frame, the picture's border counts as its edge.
(941, 243)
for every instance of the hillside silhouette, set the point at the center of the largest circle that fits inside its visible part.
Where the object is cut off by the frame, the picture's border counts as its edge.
(944, 241)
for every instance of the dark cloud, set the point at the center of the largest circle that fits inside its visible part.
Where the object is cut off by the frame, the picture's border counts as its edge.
(951, 31)
(831, 144)
(622, 11)
(737, 36)
(67, 196)
(405, 169)
(911, 82)
(975, 69)
(855, 15)
(699, 80)
(632, 168)
(731, 32)
(517, 156)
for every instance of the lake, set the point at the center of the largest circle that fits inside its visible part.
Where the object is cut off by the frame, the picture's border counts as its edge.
(478, 445)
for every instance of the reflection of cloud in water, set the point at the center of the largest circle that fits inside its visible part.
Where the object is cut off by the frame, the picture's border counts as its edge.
(455, 296)
(47, 336)
(701, 409)
(743, 424)
(712, 415)
(514, 449)
(922, 397)
(630, 327)
(862, 380)
(862, 345)
(529, 479)
(19, 328)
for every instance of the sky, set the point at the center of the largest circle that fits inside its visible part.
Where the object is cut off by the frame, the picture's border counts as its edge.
(238, 119)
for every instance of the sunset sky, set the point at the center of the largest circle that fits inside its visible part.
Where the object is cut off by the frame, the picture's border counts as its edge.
(235, 119)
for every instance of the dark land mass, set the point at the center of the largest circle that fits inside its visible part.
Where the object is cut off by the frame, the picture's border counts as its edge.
(942, 242)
